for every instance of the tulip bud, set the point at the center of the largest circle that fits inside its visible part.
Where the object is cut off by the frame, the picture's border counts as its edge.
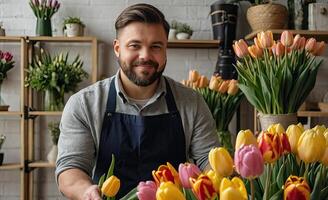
(324, 159)
(224, 86)
(310, 45)
(233, 87)
(245, 138)
(278, 49)
(255, 51)
(270, 146)
(249, 161)
(276, 128)
(166, 173)
(319, 48)
(296, 188)
(221, 161)
(187, 171)
(193, 75)
(169, 191)
(203, 187)
(215, 179)
(265, 39)
(214, 83)
(286, 38)
(232, 190)
(111, 186)
(294, 132)
(147, 190)
(203, 82)
(240, 48)
(319, 128)
(314, 143)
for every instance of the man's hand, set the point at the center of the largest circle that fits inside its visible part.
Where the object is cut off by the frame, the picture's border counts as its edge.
(92, 193)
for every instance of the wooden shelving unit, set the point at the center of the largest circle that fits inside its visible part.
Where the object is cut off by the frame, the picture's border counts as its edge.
(196, 44)
(312, 114)
(41, 164)
(11, 166)
(45, 113)
(318, 35)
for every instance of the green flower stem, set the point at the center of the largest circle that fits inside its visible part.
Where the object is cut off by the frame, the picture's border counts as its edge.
(307, 165)
(267, 183)
(252, 188)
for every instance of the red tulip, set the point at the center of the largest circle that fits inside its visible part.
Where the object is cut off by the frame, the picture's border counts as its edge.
(166, 173)
(249, 161)
(285, 146)
(147, 190)
(203, 187)
(187, 171)
(270, 146)
(296, 188)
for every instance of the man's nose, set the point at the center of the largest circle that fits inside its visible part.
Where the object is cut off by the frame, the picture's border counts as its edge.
(145, 54)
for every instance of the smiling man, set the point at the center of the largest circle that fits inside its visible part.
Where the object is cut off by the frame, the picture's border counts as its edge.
(142, 117)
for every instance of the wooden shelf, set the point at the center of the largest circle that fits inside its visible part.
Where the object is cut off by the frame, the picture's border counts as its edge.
(312, 114)
(46, 113)
(200, 44)
(318, 35)
(11, 113)
(10, 38)
(41, 164)
(10, 166)
(61, 39)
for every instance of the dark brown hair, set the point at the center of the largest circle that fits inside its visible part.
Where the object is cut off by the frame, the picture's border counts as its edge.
(141, 13)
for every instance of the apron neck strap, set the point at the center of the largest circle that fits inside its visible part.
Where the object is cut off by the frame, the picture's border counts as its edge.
(111, 102)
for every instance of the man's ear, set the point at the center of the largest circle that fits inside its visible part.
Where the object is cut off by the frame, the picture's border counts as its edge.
(116, 45)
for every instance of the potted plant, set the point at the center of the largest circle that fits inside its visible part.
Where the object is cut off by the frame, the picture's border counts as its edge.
(54, 132)
(73, 26)
(2, 30)
(266, 15)
(6, 63)
(2, 140)
(55, 76)
(173, 30)
(184, 31)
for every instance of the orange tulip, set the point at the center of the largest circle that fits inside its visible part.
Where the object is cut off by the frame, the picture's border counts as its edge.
(203, 82)
(214, 83)
(203, 187)
(224, 86)
(265, 39)
(310, 45)
(240, 48)
(193, 75)
(278, 49)
(287, 38)
(166, 173)
(319, 48)
(255, 51)
(270, 146)
(296, 188)
(233, 87)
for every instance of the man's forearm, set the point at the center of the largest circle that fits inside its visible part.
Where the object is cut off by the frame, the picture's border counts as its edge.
(73, 183)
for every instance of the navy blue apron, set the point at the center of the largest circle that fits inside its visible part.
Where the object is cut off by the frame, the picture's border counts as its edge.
(140, 143)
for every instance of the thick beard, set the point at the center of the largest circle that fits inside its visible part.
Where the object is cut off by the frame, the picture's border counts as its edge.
(132, 76)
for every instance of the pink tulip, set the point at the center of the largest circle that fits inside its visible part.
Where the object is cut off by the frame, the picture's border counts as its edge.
(147, 190)
(310, 45)
(278, 49)
(7, 56)
(286, 38)
(319, 48)
(249, 161)
(187, 171)
(240, 48)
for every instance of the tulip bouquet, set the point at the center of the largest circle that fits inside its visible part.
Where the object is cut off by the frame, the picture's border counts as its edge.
(222, 97)
(44, 9)
(6, 63)
(277, 76)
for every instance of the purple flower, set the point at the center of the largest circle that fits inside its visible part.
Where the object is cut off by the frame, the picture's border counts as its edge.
(187, 171)
(249, 161)
(7, 56)
(147, 190)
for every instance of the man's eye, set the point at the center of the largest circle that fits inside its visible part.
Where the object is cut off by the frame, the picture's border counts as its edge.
(156, 47)
(133, 46)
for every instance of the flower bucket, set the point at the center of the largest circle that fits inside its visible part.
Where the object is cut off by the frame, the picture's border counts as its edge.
(53, 101)
(43, 27)
(284, 119)
(267, 16)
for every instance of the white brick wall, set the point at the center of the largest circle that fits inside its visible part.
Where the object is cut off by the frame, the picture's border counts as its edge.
(99, 17)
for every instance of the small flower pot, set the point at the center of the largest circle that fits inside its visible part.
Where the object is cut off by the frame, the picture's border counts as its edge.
(182, 36)
(172, 34)
(74, 30)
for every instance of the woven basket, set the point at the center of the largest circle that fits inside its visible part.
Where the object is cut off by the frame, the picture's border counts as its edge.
(284, 119)
(267, 16)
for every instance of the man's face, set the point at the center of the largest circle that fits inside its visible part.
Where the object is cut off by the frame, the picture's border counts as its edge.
(141, 52)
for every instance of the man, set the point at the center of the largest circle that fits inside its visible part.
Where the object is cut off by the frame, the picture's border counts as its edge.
(143, 118)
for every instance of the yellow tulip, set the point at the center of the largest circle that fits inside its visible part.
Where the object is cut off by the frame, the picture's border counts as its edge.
(311, 146)
(232, 190)
(203, 187)
(215, 179)
(111, 186)
(166, 173)
(276, 128)
(296, 188)
(245, 137)
(221, 161)
(320, 128)
(294, 132)
(169, 191)
(324, 159)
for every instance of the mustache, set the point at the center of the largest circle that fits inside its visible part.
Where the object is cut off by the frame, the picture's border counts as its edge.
(148, 62)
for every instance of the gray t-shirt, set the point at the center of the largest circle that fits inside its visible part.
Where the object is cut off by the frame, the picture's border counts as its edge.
(82, 118)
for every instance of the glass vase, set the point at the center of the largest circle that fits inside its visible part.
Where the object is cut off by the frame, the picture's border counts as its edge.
(3, 106)
(225, 140)
(53, 101)
(43, 27)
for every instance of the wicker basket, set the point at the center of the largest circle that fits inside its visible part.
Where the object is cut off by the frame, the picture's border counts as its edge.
(267, 16)
(284, 119)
